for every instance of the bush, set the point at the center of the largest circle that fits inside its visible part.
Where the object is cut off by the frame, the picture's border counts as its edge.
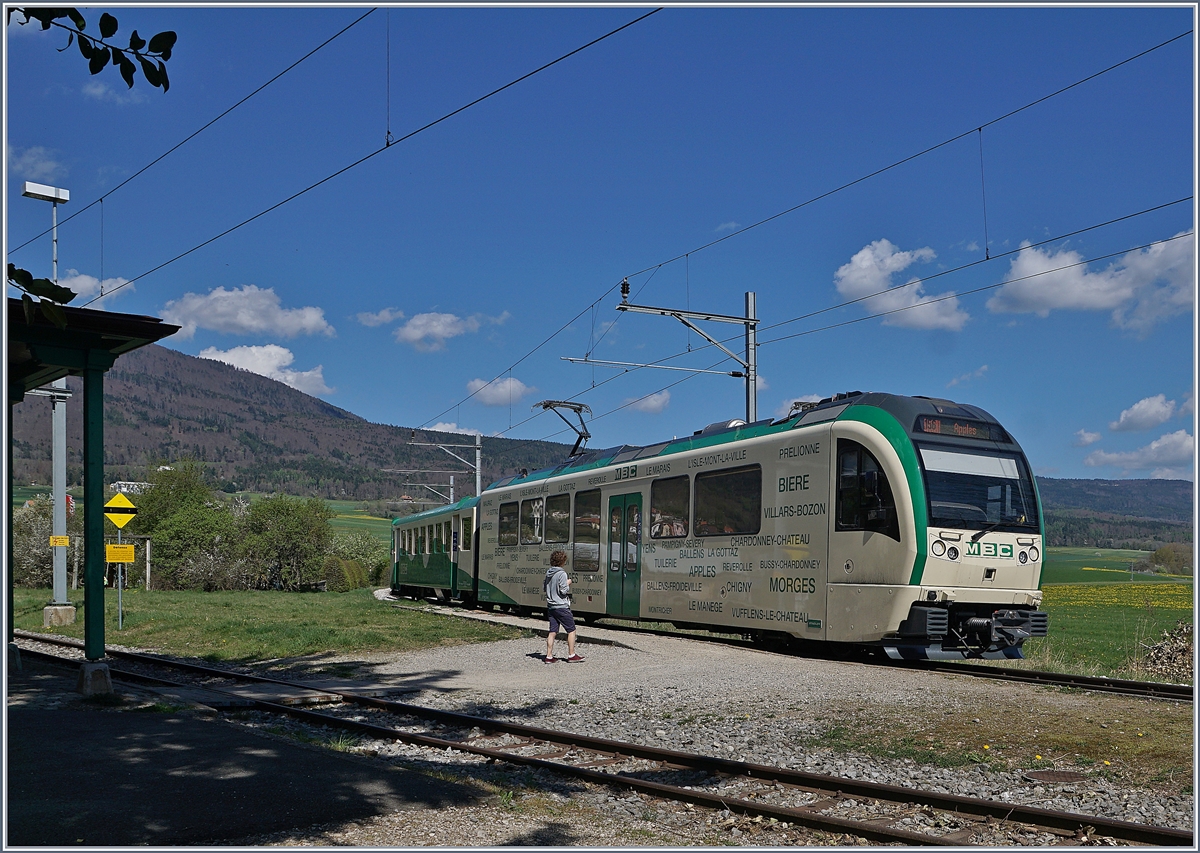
(342, 575)
(374, 556)
(196, 548)
(284, 542)
(33, 558)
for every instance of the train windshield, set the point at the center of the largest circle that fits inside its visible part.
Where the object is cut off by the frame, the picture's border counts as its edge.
(976, 490)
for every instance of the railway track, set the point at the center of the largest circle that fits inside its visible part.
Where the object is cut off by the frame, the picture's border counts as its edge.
(1124, 687)
(872, 811)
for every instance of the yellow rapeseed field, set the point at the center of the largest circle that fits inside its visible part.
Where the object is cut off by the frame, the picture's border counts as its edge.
(1173, 596)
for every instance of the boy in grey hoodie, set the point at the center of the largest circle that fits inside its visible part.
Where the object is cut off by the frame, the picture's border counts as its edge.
(558, 607)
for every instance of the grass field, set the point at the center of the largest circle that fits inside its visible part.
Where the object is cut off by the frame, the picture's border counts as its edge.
(350, 518)
(1104, 629)
(260, 626)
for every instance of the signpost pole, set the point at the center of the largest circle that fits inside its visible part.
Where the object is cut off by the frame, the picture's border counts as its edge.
(120, 587)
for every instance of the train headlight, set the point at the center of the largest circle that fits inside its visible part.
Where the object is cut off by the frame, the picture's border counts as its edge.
(1034, 554)
(952, 552)
(939, 548)
(1023, 558)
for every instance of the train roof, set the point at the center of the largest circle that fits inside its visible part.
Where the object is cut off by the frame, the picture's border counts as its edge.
(449, 509)
(906, 410)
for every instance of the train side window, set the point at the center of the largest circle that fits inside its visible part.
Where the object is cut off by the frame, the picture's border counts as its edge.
(446, 537)
(586, 522)
(729, 502)
(464, 537)
(531, 521)
(864, 496)
(670, 505)
(508, 524)
(558, 518)
(421, 540)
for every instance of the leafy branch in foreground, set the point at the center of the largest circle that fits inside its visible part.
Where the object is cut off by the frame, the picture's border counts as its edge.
(151, 56)
(51, 296)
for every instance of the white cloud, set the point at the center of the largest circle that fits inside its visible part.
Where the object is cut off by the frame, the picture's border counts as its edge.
(442, 426)
(1145, 414)
(760, 382)
(88, 286)
(499, 392)
(652, 403)
(728, 226)
(245, 311)
(1188, 408)
(1140, 289)
(1083, 438)
(272, 361)
(871, 270)
(35, 164)
(1173, 450)
(429, 332)
(379, 318)
(967, 377)
(99, 90)
(1171, 474)
(786, 405)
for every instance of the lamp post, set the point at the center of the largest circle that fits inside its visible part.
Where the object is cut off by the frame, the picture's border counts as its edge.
(59, 611)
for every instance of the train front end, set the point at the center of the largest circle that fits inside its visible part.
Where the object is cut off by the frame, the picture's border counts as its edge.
(984, 538)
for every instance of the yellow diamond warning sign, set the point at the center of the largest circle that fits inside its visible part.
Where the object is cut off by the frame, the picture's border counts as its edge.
(120, 511)
(118, 554)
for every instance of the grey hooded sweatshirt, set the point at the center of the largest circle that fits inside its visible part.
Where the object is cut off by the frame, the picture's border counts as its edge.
(557, 586)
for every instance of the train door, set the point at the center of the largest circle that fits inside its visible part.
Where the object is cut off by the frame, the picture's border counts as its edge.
(624, 555)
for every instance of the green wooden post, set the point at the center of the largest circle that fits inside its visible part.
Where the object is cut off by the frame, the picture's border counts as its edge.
(8, 499)
(98, 361)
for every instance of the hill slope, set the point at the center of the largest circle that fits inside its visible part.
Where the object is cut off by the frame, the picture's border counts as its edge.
(252, 433)
(256, 434)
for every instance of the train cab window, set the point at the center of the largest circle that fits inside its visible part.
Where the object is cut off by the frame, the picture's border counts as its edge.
(670, 505)
(729, 502)
(531, 521)
(864, 496)
(586, 522)
(508, 523)
(558, 518)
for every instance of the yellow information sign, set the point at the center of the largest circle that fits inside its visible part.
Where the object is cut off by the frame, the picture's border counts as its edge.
(120, 510)
(118, 554)
(60, 541)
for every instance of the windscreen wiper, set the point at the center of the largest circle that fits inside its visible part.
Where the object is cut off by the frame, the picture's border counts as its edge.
(1018, 519)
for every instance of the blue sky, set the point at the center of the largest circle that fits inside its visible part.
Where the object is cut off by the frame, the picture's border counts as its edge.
(402, 288)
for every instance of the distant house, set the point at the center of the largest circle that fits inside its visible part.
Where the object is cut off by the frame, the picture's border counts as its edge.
(130, 488)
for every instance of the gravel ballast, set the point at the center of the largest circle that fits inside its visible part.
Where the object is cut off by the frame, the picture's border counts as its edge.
(719, 700)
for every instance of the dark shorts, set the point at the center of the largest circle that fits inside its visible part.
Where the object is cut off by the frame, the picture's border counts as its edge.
(561, 616)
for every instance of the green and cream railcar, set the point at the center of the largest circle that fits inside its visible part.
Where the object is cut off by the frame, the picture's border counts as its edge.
(905, 522)
(433, 552)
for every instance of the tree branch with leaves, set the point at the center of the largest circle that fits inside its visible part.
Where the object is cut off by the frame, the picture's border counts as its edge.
(152, 56)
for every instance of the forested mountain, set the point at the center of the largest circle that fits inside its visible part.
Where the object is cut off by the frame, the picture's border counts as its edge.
(252, 434)
(256, 434)
(1165, 500)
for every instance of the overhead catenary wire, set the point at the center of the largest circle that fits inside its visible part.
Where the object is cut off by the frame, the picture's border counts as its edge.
(850, 302)
(912, 157)
(385, 147)
(874, 316)
(200, 130)
(655, 267)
